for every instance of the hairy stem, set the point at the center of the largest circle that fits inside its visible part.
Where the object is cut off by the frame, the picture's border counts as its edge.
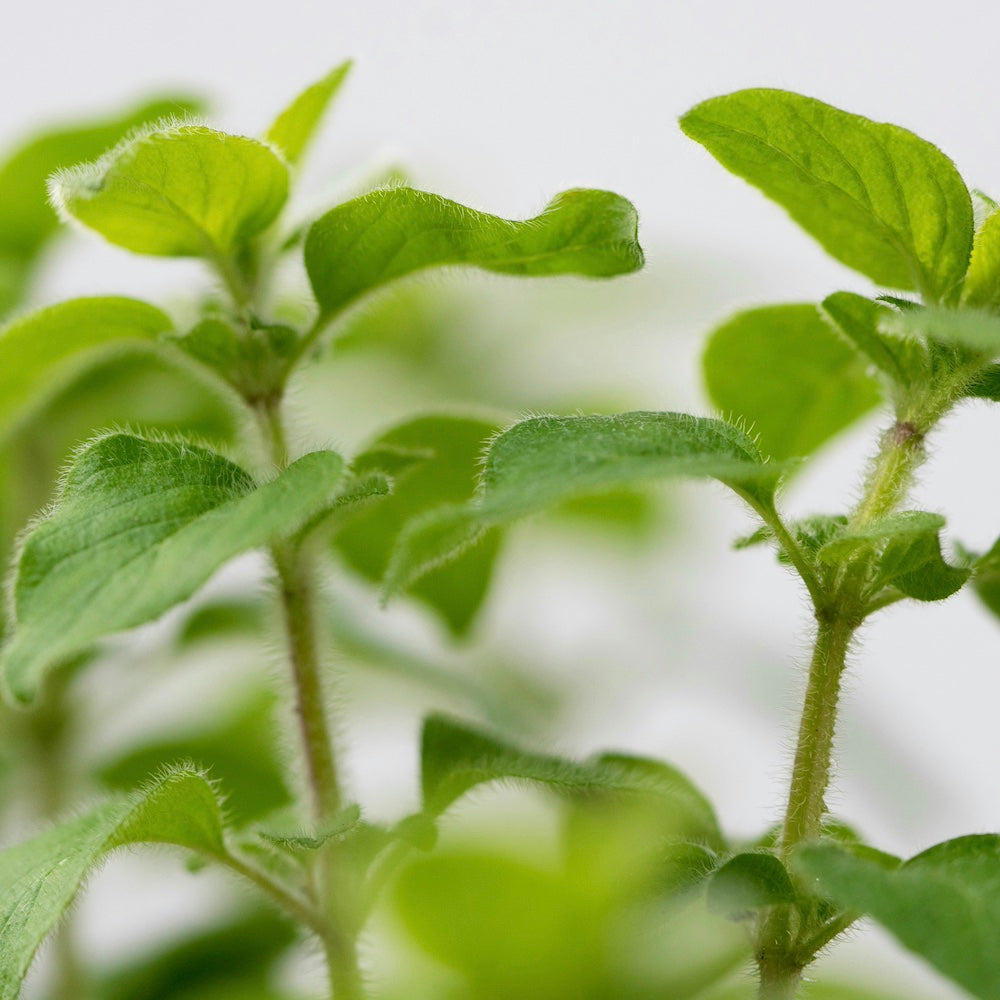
(778, 982)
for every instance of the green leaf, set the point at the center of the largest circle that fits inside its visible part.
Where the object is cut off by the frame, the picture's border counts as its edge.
(986, 576)
(749, 882)
(986, 385)
(545, 461)
(456, 757)
(41, 352)
(858, 320)
(342, 823)
(293, 129)
(184, 191)
(943, 904)
(431, 461)
(237, 750)
(235, 954)
(972, 329)
(138, 527)
(366, 243)
(877, 197)
(788, 377)
(28, 221)
(908, 545)
(39, 878)
(982, 282)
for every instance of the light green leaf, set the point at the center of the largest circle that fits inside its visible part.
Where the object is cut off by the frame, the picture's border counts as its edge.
(749, 882)
(28, 221)
(545, 461)
(183, 191)
(293, 129)
(986, 577)
(877, 197)
(790, 378)
(973, 329)
(368, 242)
(431, 461)
(456, 757)
(908, 547)
(943, 904)
(298, 840)
(982, 283)
(138, 527)
(39, 878)
(41, 352)
(858, 320)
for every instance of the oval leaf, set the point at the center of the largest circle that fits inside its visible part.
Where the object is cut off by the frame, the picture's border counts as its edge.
(138, 527)
(877, 197)
(185, 191)
(41, 352)
(749, 882)
(944, 904)
(366, 243)
(542, 462)
(789, 376)
(293, 129)
(39, 878)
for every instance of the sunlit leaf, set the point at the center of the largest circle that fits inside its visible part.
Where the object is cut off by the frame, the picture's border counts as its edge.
(366, 243)
(293, 129)
(877, 197)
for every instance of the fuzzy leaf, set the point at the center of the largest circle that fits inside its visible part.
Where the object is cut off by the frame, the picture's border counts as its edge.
(138, 527)
(545, 461)
(186, 191)
(909, 557)
(791, 378)
(456, 757)
(943, 904)
(366, 243)
(41, 352)
(973, 329)
(293, 129)
(39, 878)
(857, 319)
(749, 882)
(877, 197)
(431, 461)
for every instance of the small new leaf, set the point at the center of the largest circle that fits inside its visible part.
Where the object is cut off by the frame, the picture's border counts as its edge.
(39, 878)
(982, 283)
(138, 527)
(542, 462)
(293, 129)
(184, 191)
(366, 243)
(943, 904)
(788, 376)
(877, 197)
(43, 351)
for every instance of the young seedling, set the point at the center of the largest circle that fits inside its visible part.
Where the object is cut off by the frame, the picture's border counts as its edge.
(141, 521)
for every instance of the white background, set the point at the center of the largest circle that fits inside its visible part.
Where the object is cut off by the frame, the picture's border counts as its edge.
(502, 104)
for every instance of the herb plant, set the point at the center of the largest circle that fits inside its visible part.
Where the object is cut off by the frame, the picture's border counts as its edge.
(650, 899)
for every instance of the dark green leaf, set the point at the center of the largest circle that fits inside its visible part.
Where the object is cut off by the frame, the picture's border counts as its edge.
(235, 954)
(857, 319)
(545, 461)
(42, 351)
(185, 191)
(223, 618)
(944, 904)
(294, 127)
(138, 527)
(789, 378)
(366, 243)
(986, 385)
(986, 577)
(237, 751)
(39, 878)
(431, 461)
(908, 545)
(877, 197)
(749, 882)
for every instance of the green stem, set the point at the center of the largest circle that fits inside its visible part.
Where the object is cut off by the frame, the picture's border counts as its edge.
(778, 982)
